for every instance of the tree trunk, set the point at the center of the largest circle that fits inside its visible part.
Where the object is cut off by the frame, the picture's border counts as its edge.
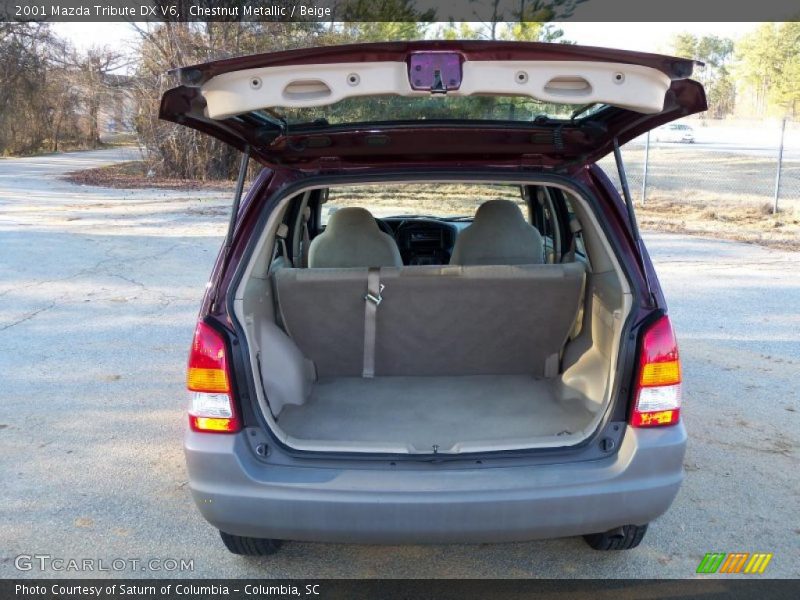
(94, 127)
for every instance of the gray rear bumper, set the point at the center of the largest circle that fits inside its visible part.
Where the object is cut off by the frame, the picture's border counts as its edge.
(427, 503)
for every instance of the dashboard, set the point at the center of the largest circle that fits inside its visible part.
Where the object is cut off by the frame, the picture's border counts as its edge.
(424, 241)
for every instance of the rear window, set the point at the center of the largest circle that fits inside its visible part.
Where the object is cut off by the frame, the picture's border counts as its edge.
(443, 200)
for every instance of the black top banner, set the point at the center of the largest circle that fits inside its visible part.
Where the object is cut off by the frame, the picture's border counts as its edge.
(398, 10)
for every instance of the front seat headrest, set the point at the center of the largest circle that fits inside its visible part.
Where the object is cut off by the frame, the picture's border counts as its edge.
(352, 238)
(499, 235)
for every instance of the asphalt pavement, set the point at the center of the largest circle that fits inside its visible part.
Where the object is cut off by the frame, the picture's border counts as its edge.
(99, 291)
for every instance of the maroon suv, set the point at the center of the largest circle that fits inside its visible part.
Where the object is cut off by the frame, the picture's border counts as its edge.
(433, 318)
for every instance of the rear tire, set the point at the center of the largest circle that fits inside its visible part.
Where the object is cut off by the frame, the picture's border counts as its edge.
(622, 538)
(248, 546)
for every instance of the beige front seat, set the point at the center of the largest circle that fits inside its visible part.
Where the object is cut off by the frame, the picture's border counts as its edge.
(352, 238)
(499, 235)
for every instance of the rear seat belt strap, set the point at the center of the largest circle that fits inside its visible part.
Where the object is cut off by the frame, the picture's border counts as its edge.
(575, 230)
(306, 240)
(281, 234)
(372, 300)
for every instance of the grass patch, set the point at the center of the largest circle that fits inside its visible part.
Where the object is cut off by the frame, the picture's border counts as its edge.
(135, 174)
(742, 222)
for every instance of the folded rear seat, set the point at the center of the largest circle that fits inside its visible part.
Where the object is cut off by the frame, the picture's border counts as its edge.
(434, 320)
(322, 310)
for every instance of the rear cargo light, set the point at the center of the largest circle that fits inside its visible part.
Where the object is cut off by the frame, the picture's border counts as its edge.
(211, 407)
(658, 388)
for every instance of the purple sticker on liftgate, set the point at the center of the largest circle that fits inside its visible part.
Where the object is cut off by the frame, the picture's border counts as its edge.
(435, 71)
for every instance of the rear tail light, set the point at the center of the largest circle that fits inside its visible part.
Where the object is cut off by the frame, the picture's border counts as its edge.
(657, 399)
(211, 407)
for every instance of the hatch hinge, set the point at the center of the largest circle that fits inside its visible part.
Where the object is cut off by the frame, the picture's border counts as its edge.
(634, 226)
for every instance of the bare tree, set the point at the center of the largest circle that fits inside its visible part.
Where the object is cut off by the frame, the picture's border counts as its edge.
(95, 71)
(50, 94)
(177, 151)
(23, 72)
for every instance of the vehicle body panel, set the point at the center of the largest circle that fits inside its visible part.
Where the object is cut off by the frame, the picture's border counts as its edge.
(431, 503)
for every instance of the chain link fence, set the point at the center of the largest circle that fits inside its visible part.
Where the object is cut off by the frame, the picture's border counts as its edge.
(717, 164)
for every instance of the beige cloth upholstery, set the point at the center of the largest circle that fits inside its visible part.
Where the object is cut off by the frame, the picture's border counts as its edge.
(499, 235)
(352, 238)
(446, 320)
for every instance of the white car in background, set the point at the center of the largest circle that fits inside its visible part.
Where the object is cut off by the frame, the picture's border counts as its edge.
(674, 132)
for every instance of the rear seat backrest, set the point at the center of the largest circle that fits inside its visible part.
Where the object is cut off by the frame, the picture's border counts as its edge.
(322, 310)
(447, 320)
(475, 320)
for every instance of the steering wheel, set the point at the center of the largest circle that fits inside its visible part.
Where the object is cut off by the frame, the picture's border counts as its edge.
(384, 227)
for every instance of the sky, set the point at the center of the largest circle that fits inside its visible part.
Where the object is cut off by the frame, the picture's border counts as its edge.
(646, 37)
(85, 35)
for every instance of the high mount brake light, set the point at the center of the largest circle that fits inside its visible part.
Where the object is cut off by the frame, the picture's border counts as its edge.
(211, 407)
(657, 398)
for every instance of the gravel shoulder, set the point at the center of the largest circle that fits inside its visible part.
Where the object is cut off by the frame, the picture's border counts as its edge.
(99, 290)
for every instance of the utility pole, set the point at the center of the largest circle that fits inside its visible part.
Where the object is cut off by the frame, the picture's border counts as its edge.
(778, 171)
(646, 160)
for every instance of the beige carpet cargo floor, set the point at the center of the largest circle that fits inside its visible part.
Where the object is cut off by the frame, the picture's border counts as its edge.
(423, 411)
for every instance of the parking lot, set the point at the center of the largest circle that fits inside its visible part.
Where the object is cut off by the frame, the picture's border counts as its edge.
(99, 291)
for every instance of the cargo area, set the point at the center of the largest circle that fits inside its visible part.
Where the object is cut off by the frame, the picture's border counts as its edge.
(424, 359)
(426, 414)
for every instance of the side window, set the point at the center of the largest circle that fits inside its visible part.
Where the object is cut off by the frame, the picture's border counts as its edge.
(564, 214)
